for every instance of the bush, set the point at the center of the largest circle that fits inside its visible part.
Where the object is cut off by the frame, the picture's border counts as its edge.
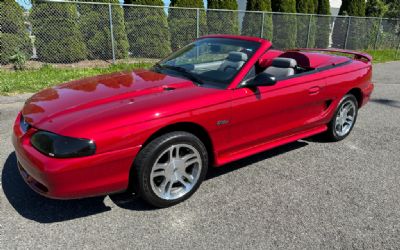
(58, 39)
(285, 25)
(183, 22)
(147, 29)
(95, 28)
(252, 21)
(18, 59)
(222, 22)
(14, 35)
(9, 43)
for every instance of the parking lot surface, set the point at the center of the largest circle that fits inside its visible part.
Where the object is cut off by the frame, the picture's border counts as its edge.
(308, 194)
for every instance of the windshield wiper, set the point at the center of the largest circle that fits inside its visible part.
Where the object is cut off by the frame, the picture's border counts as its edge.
(181, 70)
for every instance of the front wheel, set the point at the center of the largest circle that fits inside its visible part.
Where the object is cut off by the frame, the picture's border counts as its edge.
(344, 119)
(170, 168)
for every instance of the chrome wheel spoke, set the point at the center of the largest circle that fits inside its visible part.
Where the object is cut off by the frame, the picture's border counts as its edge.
(185, 184)
(188, 157)
(340, 127)
(160, 166)
(191, 162)
(165, 188)
(188, 177)
(349, 118)
(158, 174)
(173, 152)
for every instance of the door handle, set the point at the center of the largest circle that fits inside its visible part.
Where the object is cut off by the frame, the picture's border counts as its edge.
(314, 90)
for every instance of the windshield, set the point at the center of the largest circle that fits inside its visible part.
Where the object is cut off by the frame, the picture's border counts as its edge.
(210, 61)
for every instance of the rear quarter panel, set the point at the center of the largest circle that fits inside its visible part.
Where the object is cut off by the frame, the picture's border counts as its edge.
(341, 80)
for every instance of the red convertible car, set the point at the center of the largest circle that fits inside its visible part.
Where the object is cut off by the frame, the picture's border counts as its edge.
(218, 99)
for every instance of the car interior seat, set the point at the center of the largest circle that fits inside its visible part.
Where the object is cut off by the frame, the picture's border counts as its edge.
(282, 67)
(234, 61)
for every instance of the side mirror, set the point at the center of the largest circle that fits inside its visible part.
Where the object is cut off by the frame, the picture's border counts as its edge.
(262, 79)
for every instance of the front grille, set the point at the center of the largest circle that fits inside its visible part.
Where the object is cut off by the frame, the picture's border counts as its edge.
(23, 124)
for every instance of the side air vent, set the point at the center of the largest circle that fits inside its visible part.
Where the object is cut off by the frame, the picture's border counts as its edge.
(327, 104)
(166, 88)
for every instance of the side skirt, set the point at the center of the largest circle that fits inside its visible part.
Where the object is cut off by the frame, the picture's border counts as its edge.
(269, 145)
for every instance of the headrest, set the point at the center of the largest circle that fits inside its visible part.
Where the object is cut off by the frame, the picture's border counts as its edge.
(266, 59)
(281, 62)
(237, 56)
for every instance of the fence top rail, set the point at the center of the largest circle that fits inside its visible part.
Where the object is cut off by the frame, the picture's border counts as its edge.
(222, 10)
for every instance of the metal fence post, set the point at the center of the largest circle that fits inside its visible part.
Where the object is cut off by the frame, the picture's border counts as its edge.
(309, 30)
(111, 32)
(347, 33)
(377, 33)
(198, 22)
(397, 51)
(262, 25)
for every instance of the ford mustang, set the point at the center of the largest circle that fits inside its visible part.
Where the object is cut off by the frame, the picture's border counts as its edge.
(155, 132)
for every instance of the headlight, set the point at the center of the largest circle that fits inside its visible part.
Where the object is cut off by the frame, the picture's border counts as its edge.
(23, 124)
(61, 146)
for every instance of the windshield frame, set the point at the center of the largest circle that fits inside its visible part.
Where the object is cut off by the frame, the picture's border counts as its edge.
(238, 76)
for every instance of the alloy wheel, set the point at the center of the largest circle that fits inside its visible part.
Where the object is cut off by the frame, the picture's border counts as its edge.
(345, 118)
(175, 171)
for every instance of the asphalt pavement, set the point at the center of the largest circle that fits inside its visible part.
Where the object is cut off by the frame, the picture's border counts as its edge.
(307, 194)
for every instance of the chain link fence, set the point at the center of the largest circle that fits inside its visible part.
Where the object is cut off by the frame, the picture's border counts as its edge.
(72, 32)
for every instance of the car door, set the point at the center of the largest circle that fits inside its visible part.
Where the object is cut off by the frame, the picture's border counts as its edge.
(268, 113)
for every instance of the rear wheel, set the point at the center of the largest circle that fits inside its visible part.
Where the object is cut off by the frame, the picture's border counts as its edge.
(170, 168)
(344, 119)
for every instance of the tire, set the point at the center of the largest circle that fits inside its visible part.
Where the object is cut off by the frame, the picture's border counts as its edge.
(170, 168)
(334, 133)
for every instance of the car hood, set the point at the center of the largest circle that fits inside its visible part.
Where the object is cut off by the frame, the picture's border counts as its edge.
(89, 103)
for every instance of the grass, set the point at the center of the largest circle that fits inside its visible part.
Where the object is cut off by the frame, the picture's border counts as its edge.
(30, 81)
(381, 56)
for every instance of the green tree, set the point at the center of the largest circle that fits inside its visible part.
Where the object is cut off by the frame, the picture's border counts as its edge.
(252, 21)
(222, 22)
(352, 8)
(183, 22)
(305, 24)
(14, 35)
(393, 8)
(390, 30)
(322, 32)
(56, 31)
(305, 6)
(356, 26)
(95, 28)
(147, 29)
(285, 25)
(316, 2)
(375, 8)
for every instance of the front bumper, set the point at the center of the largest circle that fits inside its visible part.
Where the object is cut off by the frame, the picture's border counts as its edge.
(72, 177)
